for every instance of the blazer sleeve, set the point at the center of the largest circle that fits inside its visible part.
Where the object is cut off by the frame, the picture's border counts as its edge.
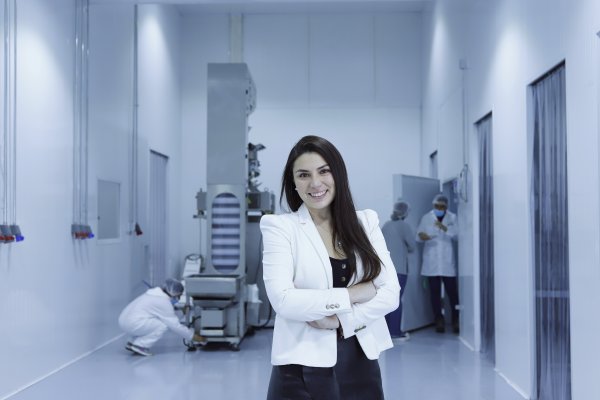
(387, 298)
(300, 304)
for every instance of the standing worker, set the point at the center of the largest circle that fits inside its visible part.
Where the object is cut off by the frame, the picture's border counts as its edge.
(400, 240)
(437, 229)
(149, 316)
(331, 281)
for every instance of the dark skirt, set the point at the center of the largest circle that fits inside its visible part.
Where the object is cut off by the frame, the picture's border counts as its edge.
(354, 377)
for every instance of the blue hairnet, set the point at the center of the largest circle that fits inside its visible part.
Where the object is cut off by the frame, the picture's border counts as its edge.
(173, 287)
(401, 208)
(440, 199)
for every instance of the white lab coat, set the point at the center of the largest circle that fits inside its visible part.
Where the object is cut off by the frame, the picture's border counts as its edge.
(149, 316)
(438, 253)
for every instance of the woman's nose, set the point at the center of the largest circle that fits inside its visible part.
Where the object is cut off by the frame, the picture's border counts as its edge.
(315, 182)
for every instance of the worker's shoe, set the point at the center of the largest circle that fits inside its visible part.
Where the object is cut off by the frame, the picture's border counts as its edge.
(440, 325)
(403, 337)
(142, 351)
(455, 327)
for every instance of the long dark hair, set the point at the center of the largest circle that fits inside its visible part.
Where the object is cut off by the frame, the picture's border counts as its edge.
(347, 230)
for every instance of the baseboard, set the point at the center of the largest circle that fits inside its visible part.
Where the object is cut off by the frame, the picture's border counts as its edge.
(512, 385)
(467, 344)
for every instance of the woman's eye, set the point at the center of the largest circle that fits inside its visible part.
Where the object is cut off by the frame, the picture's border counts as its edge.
(302, 175)
(325, 171)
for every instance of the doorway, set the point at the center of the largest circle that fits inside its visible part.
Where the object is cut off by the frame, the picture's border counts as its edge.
(486, 238)
(157, 214)
(549, 209)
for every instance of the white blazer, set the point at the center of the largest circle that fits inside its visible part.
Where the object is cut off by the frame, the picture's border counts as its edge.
(298, 278)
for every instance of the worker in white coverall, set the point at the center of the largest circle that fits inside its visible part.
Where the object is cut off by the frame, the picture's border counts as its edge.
(436, 230)
(149, 316)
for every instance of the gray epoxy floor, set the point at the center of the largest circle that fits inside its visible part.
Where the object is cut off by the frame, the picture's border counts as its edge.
(429, 366)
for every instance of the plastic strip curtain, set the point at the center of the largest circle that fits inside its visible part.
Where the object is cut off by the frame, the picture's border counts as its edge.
(486, 236)
(551, 241)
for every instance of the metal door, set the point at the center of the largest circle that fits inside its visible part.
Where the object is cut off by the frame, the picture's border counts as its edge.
(418, 192)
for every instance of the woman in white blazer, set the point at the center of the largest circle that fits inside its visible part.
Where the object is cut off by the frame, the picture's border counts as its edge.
(331, 281)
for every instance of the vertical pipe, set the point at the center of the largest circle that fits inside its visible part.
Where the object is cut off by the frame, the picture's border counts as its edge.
(85, 102)
(80, 110)
(464, 174)
(14, 114)
(9, 126)
(76, 126)
(236, 38)
(6, 110)
(134, 154)
(132, 136)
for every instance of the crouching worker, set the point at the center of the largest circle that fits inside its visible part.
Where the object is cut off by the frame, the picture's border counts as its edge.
(149, 316)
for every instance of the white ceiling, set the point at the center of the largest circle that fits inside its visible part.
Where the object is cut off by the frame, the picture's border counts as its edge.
(286, 6)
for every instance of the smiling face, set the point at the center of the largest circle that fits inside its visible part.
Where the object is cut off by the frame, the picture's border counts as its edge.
(314, 181)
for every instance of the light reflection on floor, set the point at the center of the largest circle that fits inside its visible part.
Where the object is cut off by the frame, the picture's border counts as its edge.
(429, 366)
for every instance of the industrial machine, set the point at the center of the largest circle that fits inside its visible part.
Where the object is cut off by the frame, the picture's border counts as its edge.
(231, 205)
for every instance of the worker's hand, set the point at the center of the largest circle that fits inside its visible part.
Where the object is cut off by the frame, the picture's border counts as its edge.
(424, 236)
(441, 226)
(198, 338)
(362, 292)
(331, 322)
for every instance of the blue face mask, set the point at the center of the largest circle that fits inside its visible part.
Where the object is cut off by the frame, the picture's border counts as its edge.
(439, 213)
(174, 300)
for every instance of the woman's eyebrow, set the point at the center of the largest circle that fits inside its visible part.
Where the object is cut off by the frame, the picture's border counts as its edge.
(305, 170)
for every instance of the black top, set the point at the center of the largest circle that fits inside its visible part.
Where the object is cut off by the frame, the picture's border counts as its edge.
(340, 271)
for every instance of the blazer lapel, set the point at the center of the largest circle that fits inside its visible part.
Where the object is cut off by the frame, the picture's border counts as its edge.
(310, 230)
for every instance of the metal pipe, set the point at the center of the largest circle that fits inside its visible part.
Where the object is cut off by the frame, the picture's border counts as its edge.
(80, 114)
(6, 110)
(14, 115)
(76, 125)
(464, 173)
(134, 135)
(9, 126)
(85, 103)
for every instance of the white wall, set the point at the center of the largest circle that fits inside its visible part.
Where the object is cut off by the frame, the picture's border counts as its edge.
(159, 100)
(204, 39)
(56, 305)
(61, 297)
(508, 44)
(352, 78)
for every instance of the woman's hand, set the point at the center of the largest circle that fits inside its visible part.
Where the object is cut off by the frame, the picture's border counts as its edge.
(362, 292)
(331, 322)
